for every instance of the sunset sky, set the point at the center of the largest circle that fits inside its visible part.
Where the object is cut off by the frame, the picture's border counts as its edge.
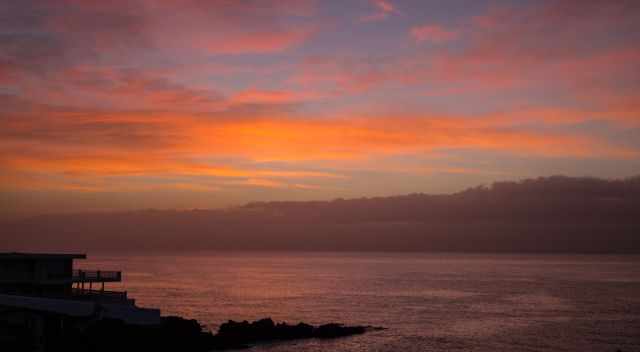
(114, 105)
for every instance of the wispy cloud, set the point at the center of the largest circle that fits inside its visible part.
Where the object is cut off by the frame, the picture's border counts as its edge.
(383, 9)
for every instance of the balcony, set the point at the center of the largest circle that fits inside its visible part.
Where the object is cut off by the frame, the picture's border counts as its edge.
(102, 296)
(81, 276)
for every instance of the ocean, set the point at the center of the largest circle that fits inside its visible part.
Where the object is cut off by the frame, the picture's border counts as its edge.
(427, 302)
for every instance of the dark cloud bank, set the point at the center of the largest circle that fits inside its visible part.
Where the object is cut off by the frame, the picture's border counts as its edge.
(555, 214)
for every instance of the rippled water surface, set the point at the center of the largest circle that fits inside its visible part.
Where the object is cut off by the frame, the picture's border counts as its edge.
(428, 302)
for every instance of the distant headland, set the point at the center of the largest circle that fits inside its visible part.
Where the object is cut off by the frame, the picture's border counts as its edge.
(543, 215)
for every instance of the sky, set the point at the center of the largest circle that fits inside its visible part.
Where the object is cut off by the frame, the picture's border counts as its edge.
(117, 105)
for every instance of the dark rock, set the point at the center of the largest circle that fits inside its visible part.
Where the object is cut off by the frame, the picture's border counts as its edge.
(179, 334)
(337, 330)
(263, 329)
(243, 333)
(301, 330)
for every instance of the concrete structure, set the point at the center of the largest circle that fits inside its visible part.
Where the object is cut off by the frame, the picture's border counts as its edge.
(48, 275)
(42, 294)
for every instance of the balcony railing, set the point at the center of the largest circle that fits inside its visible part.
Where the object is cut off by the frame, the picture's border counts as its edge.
(96, 276)
(100, 295)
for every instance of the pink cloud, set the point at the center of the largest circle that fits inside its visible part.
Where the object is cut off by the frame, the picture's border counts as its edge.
(344, 75)
(433, 33)
(542, 48)
(257, 42)
(383, 8)
(229, 27)
(130, 89)
(257, 96)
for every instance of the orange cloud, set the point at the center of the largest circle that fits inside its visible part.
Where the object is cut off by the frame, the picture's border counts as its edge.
(88, 150)
(139, 165)
(135, 142)
(262, 183)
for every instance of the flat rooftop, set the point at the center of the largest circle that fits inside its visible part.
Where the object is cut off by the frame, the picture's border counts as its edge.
(40, 256)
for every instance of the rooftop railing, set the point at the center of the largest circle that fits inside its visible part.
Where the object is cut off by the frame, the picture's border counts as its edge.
(96, 276)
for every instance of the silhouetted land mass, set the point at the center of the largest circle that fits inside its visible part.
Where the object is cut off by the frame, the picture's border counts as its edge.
(179, 334)
(552, 214)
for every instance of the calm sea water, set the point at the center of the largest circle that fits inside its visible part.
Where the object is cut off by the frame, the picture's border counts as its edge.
(428, 302)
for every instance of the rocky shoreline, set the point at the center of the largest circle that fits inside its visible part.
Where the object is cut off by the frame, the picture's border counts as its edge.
(179, 334)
